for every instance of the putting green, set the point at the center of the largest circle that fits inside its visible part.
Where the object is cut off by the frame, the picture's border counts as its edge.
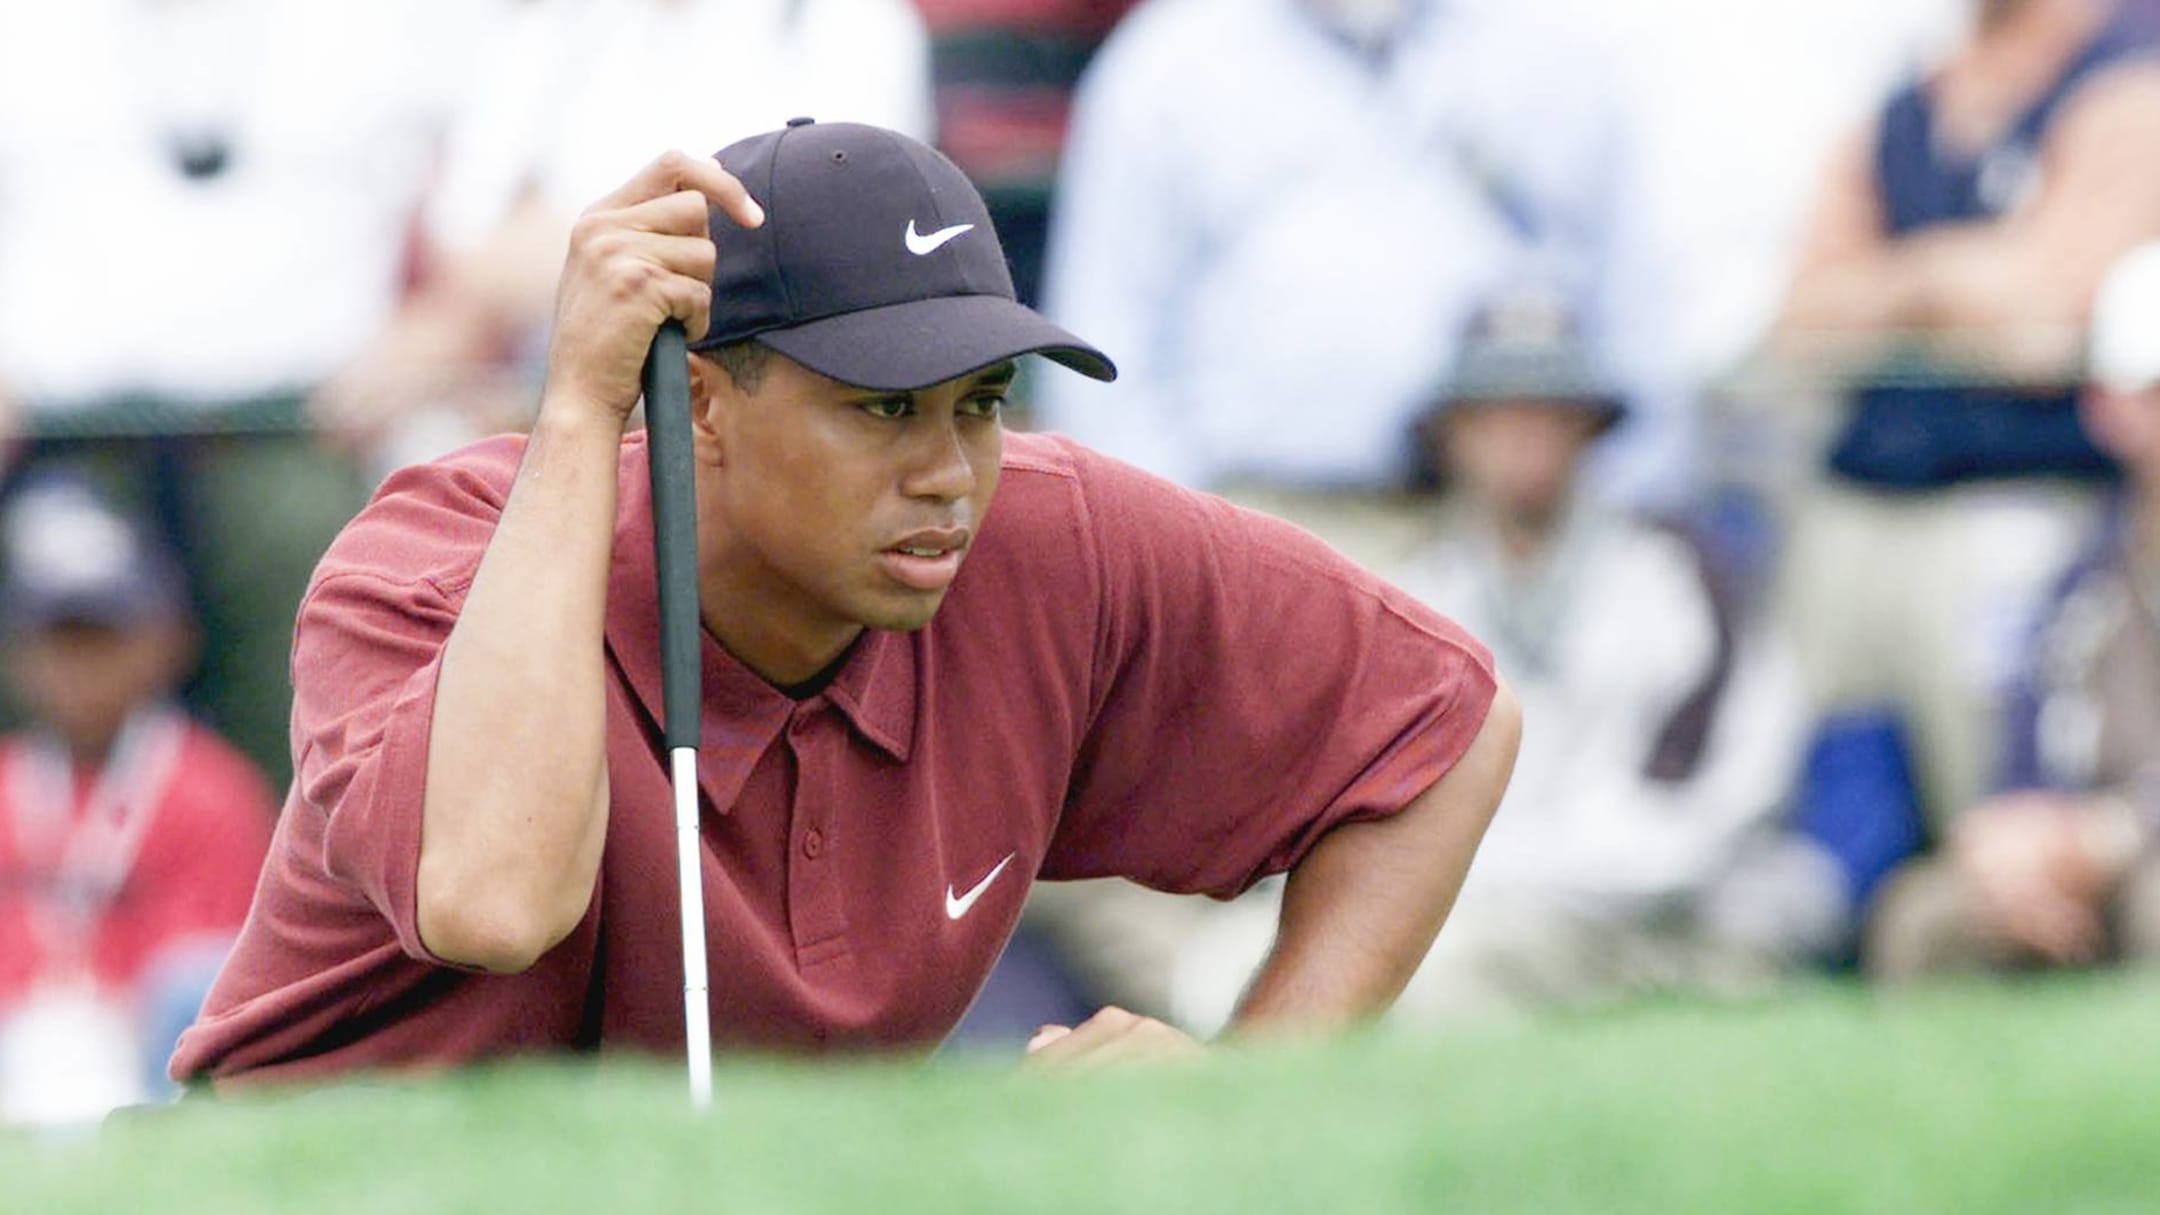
(2039, 1097)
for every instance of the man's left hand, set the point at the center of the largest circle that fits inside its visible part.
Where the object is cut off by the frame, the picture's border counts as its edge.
(1107, 1037)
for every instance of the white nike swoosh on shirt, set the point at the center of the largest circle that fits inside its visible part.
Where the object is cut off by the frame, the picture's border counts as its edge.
(918, 244)
(956, 905)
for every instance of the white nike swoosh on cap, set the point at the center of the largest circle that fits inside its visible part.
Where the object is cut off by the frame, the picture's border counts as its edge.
(957, 905)
(918, 244)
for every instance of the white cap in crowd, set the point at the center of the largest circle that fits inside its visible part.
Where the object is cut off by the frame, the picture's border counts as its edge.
(2125, 351)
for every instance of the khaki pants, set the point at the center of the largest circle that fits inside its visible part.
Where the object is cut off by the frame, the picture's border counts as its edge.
(1920, 602)
(1374, 529)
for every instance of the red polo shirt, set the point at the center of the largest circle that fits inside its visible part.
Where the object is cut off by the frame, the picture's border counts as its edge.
(1126, 678)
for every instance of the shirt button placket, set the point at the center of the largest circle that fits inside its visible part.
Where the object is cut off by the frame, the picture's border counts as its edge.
(814, 895)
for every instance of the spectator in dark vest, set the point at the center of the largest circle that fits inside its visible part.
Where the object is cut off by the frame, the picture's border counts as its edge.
(1976, 214)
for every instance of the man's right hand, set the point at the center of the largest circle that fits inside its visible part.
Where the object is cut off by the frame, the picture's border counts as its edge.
(515, 810)
(637, 257)
(1112, 1035)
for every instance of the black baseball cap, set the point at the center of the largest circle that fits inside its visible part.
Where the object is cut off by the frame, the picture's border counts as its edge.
(877, 264)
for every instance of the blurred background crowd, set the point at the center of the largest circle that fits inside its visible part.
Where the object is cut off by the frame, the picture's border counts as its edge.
(1774, 387)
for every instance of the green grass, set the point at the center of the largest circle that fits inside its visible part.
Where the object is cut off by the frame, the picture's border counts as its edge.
(2040, 1098)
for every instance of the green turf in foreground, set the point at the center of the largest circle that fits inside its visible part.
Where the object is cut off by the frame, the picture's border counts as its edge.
(2034, 1099)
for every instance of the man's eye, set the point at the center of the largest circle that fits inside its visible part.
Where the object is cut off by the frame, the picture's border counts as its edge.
(887, 408)
(988, 405)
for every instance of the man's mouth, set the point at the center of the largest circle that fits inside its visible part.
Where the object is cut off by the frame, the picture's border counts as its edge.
(927, 560)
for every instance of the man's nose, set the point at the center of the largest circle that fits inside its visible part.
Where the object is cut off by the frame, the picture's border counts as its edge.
(940, 468)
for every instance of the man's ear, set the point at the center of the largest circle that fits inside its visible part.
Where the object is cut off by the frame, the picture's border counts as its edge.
(712, 392)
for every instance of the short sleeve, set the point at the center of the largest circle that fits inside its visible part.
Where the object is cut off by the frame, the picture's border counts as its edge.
(1254, 689)
(366, 652)
(362, 716)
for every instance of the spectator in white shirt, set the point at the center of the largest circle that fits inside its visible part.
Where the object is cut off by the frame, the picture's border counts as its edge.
(1272, 206)
(1640, 847)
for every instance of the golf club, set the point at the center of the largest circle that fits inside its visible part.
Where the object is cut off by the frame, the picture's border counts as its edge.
(674, 509)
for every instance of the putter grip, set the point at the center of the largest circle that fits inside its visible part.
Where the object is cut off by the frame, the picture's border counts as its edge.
(674, 512)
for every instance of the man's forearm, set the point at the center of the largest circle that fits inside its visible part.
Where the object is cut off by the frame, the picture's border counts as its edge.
(1987, 306)
(515, 808)
(1960, 276)
(1362, 908)
(1859, 296)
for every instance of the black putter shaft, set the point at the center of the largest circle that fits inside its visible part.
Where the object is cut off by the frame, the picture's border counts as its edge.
(674, 509)
(674, 512)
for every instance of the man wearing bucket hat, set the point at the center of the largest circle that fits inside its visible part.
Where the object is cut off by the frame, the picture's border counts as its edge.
(912, 707)
(1638, 847)
(1644, 849)
(2057, 865)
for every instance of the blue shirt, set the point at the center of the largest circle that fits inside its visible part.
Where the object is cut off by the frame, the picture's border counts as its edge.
(1280, 237)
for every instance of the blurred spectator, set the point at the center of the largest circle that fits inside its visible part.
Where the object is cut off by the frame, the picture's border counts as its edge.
(1981, 207)
(208, 199)
(2058, 865)
(1004, 71)
(1732, 106)
(1639, 846)
(204, 203)
(130, 837)
(1271, 207)
(571, 100)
